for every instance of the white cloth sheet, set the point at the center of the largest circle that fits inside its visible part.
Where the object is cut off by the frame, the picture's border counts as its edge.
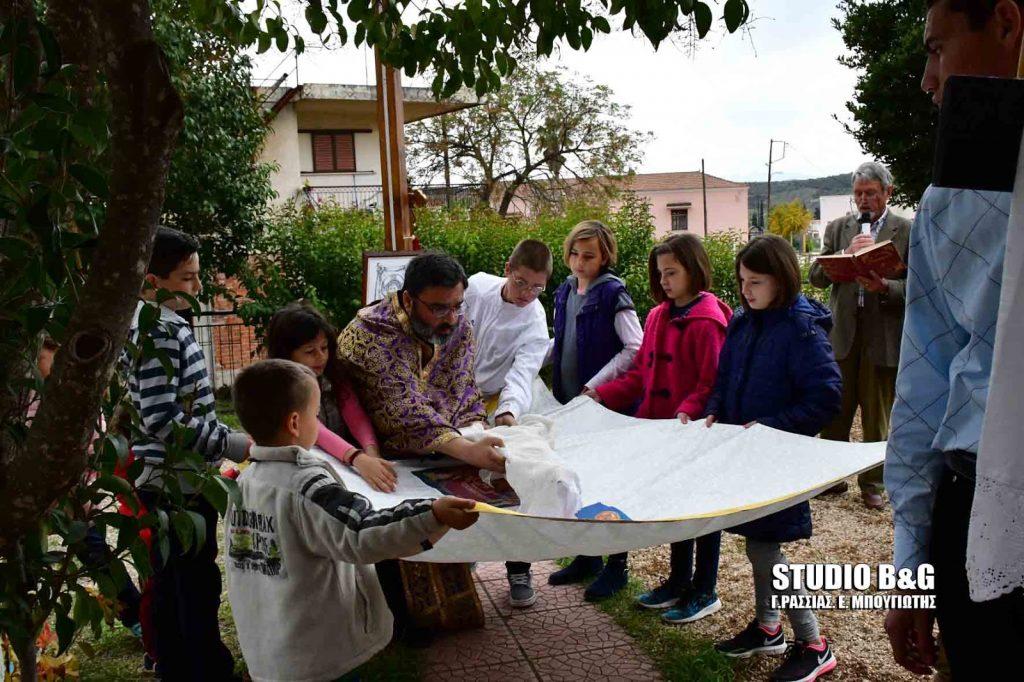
(673, 481)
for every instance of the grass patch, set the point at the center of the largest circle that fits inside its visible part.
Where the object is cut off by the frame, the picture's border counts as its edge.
(679, 654)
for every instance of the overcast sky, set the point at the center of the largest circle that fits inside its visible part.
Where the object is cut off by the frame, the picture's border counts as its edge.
(724, 103)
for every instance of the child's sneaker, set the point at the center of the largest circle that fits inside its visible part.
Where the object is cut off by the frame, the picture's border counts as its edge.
(805, 663)
(581, 568)
(697, 605)
(755, 639)
(612, 579)
(520, 590)
(661, 597)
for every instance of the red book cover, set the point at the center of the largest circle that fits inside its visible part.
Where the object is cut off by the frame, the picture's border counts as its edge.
(881, 258)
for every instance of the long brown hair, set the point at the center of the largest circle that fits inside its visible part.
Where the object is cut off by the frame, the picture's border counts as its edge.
(771, 255)
(295, 325)
(690, 252)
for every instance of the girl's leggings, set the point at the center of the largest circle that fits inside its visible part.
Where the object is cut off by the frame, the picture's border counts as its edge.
(763, 556)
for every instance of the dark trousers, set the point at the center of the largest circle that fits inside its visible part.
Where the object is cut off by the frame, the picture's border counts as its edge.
(186, 592)
(705, 578)
(976, 635)
(96, 555)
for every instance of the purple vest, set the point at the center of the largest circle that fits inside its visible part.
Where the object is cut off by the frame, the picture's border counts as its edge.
(596, 340)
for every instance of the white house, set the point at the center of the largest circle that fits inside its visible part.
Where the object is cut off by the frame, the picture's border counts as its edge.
(324, 139)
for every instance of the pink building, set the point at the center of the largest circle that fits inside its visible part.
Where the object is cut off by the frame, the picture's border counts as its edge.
(677, 202)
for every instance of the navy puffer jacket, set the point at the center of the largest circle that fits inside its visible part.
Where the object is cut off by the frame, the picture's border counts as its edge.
(777, 368)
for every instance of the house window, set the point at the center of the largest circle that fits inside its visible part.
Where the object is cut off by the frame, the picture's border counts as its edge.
(333, 152)
(680, 219)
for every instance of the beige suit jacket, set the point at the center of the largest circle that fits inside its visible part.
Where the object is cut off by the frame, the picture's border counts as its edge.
(882, 316)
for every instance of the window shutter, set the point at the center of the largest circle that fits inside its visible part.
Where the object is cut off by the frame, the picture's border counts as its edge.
(323, 153)
(344, 152)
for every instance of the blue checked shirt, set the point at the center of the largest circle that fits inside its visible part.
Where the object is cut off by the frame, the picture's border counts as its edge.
(955, 270)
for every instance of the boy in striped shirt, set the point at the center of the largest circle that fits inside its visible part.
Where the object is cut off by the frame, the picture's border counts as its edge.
(186, 586)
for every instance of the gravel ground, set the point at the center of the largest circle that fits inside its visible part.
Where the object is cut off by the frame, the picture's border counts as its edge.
(844, 531)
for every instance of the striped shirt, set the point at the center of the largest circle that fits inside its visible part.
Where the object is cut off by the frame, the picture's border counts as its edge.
(184, 398)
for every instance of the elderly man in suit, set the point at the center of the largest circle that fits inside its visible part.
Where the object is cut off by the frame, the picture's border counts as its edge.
(868, 319)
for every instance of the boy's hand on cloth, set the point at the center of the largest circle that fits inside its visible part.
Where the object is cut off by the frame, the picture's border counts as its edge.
(749, 424)
(505, 419)
(710, 420)
(379, 473)
(592, 394)
(684, 418)
(455, 512)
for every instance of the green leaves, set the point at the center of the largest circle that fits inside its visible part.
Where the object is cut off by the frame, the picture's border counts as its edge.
(91, 178)
(702, 18)
(736, 14)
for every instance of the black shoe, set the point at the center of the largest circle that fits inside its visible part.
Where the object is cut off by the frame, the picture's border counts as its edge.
(581, 568)
(753, 640)
(805, 664)
(612, 579)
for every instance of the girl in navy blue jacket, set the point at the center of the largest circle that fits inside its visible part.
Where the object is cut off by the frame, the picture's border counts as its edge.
(777, 369)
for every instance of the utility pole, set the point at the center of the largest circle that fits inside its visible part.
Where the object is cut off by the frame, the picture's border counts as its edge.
(771, 153)
(704, 191)
(447, 163)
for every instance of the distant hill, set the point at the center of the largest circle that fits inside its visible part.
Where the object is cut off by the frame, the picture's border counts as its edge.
(806, 191)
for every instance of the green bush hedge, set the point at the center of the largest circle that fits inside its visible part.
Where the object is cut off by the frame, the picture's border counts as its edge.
(318, 254)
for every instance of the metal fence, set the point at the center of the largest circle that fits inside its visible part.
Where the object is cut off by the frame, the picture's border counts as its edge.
(371, 197)
(229, 344)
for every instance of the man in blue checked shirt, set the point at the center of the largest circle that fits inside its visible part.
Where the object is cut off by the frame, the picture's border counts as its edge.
(953, 286)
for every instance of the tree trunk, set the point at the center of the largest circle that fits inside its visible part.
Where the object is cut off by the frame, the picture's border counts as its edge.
(28, 656)
(506, 199)
(146, 115)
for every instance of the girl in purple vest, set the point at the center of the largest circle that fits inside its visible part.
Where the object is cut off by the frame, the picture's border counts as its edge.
(597, 334)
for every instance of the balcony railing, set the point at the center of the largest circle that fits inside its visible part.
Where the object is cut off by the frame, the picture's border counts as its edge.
(371, 197)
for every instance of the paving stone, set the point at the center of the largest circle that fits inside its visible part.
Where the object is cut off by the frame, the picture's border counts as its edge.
(615, 664)
(517, 671)
(564, 631)
(488, 645)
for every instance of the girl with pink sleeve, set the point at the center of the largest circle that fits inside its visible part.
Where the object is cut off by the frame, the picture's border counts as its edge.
(299, 332)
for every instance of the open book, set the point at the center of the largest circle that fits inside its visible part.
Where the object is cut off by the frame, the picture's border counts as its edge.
(881, 258)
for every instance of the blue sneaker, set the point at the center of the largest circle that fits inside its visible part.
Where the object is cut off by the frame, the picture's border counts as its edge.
(136, 630)
(608, 582)
(661, 597)
(694, 607)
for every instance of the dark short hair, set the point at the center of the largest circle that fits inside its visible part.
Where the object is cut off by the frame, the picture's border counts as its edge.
(690, 252)
(771, 255)
(266, 392)
(170, 249)
(433, 269)
(978, 12)
(532, 255)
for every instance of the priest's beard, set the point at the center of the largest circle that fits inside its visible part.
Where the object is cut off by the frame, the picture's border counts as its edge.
(437, 337)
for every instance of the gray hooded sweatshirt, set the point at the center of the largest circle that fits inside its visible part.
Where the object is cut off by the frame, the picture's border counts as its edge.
(299, 555)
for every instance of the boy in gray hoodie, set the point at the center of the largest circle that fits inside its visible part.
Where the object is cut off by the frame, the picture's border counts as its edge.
(300, 546)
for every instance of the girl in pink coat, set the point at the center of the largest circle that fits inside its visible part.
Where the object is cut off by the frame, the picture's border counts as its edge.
(673, 376)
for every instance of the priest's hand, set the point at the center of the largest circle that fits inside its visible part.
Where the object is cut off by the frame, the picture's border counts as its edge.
(483, 454)
(455, 512)
(505, 419)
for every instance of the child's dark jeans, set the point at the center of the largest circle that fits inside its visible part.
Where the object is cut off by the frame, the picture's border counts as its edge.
(186, 593)
(704, 578)
(96, 555)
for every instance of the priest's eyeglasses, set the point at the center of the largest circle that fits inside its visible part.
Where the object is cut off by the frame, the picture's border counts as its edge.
(441, 311)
